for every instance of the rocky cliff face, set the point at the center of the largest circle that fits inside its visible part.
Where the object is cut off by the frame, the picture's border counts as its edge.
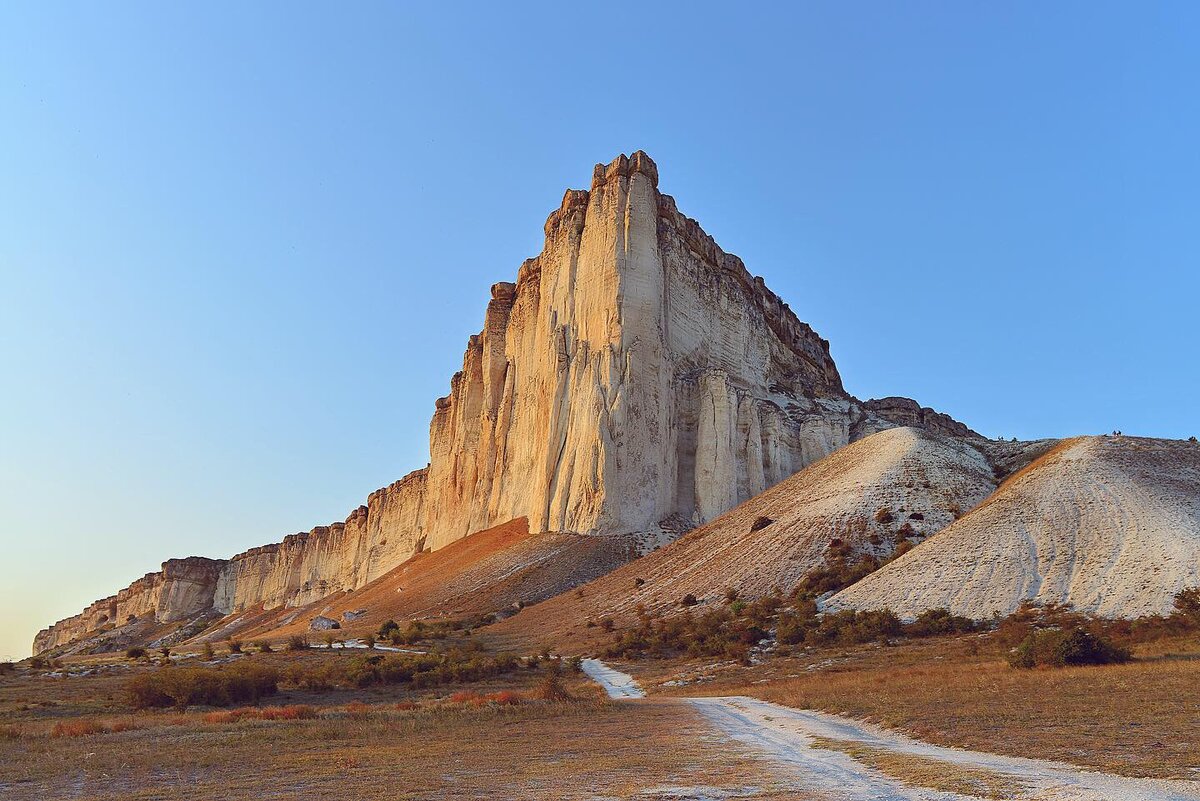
(635, 380)
(907, 412)
(183, 589)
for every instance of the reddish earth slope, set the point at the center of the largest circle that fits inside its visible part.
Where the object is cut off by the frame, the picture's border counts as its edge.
(487, 572)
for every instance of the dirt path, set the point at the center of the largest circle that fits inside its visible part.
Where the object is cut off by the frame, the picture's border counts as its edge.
(614, 682)
(852, 761)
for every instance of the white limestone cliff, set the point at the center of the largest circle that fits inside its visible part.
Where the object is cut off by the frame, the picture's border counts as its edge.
(635, 380)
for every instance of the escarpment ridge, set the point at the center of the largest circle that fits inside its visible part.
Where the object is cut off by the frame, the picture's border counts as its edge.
(634, 381)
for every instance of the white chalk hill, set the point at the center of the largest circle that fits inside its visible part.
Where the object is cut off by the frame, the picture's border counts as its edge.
(1110, 525)
(774, 539)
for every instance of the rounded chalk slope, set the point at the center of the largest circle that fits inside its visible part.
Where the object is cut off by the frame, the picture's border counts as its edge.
(1110, 525)
(775, 538)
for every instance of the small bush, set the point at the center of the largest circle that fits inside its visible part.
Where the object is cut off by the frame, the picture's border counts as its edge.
(1062, 647)
(207, 651)
(78, 728)
(263, 647)
(165, 651)
(884, 516)
(760, 523)
(235, 646)
(688, 600)
(297, 642)
(136, 652)
(607, 623)
(551, 687)
(407, 706)
(385, 630)
(1187, 605)
(124, 725)
(933, 622)
(836, 574)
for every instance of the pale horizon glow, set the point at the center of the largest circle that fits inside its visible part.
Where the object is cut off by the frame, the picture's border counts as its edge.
(242, 247)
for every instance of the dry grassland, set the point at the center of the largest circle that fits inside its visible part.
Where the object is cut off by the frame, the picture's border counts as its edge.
(490, 739)
(1135, 719)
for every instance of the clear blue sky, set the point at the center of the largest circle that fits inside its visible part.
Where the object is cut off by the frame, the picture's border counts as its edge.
(242, 246)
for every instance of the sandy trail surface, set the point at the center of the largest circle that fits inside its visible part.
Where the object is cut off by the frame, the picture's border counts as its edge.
(789, 737)
(614, 682)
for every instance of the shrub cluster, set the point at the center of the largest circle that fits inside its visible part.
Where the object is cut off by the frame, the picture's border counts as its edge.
(1062, 647)
(181, 687)
(728, 631)
(424, 631)
(936, 622)
(802, 625)
(455, 666)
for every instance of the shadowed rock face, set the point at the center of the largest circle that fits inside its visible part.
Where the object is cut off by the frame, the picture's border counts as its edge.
(907, 412)
(635, 380)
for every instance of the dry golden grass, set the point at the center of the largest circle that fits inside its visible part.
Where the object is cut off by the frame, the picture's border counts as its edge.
(536, 750)
(494, 740)
(935, 774)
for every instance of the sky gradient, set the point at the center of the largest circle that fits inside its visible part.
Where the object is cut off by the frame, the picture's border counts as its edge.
(242, 246)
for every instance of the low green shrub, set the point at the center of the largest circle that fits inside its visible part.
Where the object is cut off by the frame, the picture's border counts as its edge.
(935, 622)
(1187, 606)
(1063, 647)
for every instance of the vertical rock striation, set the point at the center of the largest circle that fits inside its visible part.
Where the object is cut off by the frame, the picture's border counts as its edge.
(635, 380)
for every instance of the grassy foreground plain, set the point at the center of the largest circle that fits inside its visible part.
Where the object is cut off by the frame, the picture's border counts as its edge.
(490, 727)
(379, 742)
